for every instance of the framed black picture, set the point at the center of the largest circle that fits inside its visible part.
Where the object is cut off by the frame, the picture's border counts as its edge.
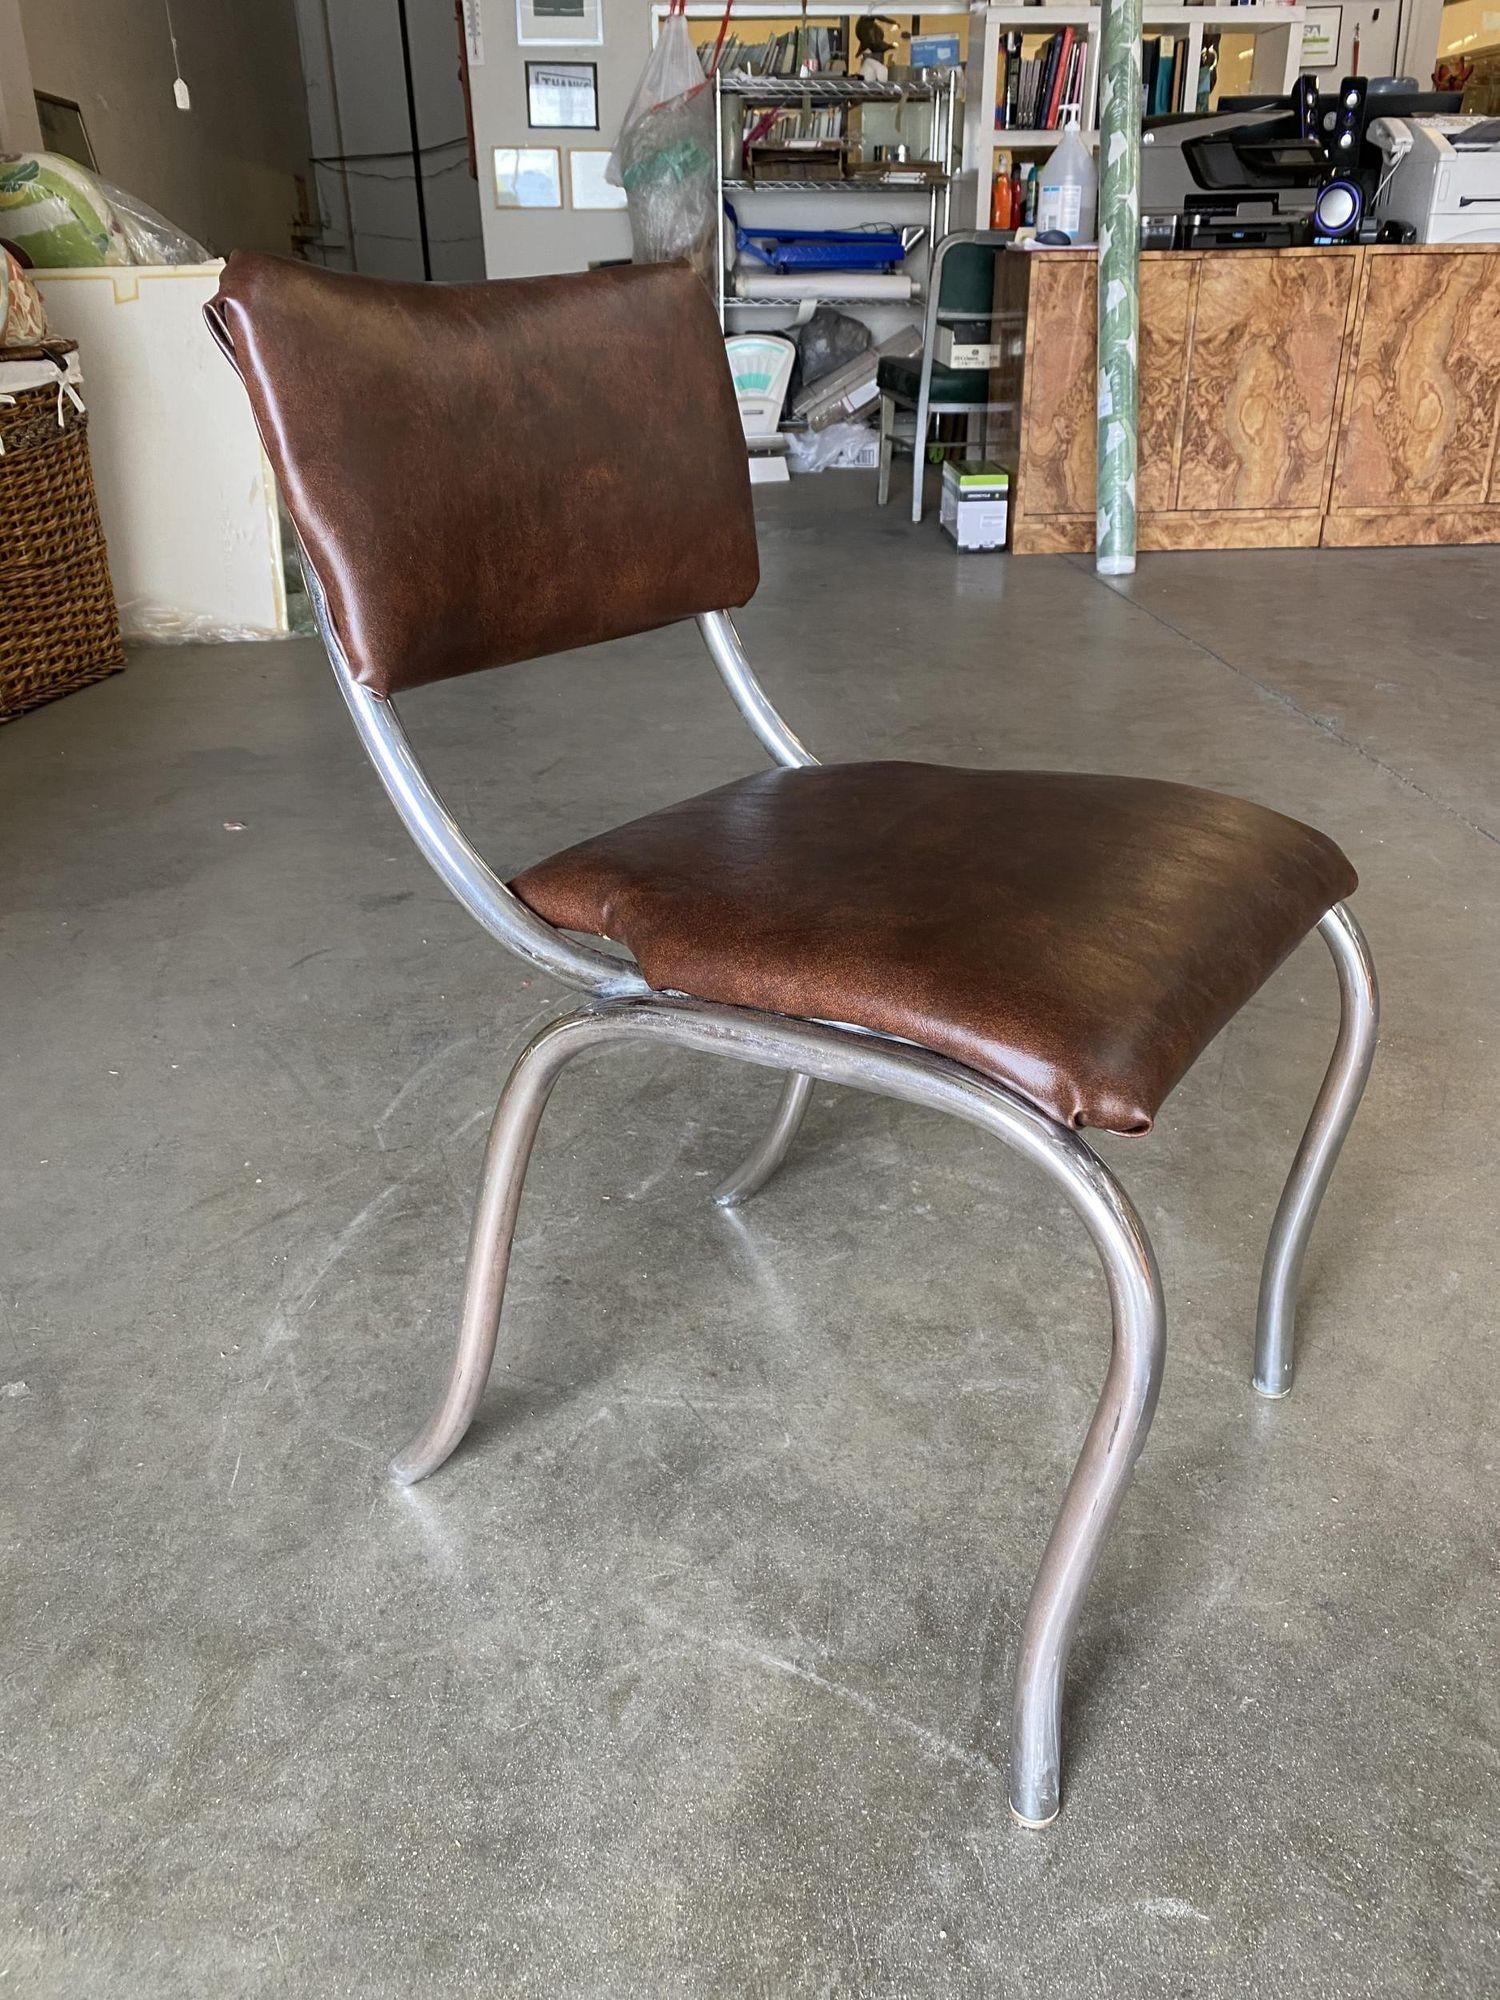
(562, 96)
(63, 131)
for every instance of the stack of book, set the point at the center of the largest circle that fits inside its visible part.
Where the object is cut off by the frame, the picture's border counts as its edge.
(1037, 93)
(788, 127)
(781, 55)
(1165, 84)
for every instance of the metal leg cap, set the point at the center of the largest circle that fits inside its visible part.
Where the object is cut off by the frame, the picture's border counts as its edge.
(1270, 1395)
(1033, 1825)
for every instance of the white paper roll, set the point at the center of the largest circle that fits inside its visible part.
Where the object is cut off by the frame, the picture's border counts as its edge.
(752, 284)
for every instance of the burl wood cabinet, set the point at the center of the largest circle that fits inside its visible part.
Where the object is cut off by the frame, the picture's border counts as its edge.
(1289, 398)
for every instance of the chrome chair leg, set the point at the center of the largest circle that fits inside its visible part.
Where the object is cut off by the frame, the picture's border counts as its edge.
(751, 1175)
(919, 442)
(833, 1055)
(887, 449)
(1332, 1115)
(1110, 1449)
(512, 1135)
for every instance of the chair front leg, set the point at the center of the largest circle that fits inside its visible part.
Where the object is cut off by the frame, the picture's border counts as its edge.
(512, 1136)
(1110, 1449)
(1332, 1115)
(751, 1175)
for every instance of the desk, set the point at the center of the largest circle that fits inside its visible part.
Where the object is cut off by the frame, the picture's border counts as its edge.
(1336, 398)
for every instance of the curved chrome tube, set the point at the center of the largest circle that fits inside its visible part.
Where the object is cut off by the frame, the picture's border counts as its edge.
(783, 746)
(1126, 1404)
(751, 1175)
(462, 869)
(778, 740)
(1327, 1129)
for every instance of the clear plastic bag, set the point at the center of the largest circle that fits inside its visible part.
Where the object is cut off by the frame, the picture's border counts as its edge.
(842, 447)
(149, 237)
(664, 157)
(828, 341)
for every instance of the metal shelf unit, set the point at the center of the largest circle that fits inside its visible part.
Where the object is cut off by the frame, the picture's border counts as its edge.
(841, 186)
(734, 93)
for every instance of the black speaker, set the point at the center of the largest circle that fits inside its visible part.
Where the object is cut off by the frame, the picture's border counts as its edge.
(1344, 130)
(1339, 126)
(1337, 209)
(1309, 109)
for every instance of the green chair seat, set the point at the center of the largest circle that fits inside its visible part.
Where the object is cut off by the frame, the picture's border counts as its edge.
(903, 379)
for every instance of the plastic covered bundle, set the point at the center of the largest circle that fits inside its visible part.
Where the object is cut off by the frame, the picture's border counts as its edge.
(664, 157)
(56, 214)
(53, 213)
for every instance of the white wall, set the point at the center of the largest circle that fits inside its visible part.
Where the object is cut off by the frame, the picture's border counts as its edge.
(19, 131)
(224, 170)
(521, 243)
(1378, 51)
(356, 101)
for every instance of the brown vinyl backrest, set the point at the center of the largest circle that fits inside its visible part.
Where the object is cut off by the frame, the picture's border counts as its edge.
(487, 473)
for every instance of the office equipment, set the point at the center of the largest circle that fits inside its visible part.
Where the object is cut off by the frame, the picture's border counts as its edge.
(1249, 174)
(1337, 209)
(1442, 178)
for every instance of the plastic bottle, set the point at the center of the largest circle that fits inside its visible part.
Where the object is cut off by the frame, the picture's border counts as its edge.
(1002, 215)
(1030, 191)
(1069, 194)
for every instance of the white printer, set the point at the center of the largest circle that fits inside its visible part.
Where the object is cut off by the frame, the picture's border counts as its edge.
(1441, 176)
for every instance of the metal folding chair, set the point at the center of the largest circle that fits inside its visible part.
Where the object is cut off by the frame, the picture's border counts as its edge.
(962, 268)
(486, 473)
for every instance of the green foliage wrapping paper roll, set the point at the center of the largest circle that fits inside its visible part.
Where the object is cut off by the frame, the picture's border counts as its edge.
(1119, 284)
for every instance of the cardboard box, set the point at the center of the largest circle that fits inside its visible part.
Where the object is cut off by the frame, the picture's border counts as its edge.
(975, 506)
(955, 353)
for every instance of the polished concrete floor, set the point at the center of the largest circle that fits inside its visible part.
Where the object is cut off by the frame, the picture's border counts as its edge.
(690, 1675)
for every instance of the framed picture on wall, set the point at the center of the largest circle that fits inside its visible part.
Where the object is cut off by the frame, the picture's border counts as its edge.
(62, 129)
(1321, 30)
(577, 21)
(528, 177)
(562, 96)
(587, 186)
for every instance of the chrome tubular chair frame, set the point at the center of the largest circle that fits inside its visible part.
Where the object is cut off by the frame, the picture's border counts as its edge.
(622, 1008)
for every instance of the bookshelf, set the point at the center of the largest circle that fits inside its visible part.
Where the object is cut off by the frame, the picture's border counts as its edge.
(1277, 30)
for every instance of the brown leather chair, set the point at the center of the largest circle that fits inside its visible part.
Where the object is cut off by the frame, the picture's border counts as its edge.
(486, 473)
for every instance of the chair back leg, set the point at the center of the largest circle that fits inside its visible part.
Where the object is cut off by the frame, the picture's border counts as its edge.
(751, 1175)
(887, 449)
(1327, 1129)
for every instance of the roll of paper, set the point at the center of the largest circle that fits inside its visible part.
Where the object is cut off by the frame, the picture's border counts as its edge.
(753, 284)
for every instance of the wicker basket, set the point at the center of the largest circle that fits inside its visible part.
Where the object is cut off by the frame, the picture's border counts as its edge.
(59, 629)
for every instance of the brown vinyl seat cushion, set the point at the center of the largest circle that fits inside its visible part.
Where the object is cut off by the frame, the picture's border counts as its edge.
(1082, 939)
